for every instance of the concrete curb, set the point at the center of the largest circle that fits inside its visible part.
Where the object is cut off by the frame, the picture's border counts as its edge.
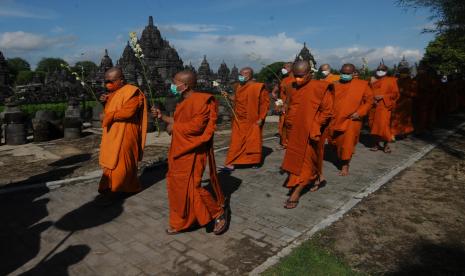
(346, 207)
(51, 185)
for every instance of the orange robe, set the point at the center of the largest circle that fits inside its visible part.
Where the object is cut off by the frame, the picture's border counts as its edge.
(401, 121)
(351, 97)
(284, 89)
(123, 139)
(331, 78)
(301, 158)
(381, 120)
(251, 104)
(191, 148)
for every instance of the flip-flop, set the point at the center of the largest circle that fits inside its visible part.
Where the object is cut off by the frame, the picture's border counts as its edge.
(296, 202)
(226, 169)
(224, 217)
(172, 232)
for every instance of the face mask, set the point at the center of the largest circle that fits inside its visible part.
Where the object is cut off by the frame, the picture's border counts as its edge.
(241, 78)
(112, 86)
(300, 81)
(284, 71)
(174, 89)
(346, 77)
(444, 79)
(325, 73)
(381, 73)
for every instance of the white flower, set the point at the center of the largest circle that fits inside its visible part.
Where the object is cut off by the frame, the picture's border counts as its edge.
(279, 102)
(215, 84)
(83, 83)
(78, 78)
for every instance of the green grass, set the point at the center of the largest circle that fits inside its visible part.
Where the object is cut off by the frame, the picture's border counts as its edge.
(310, 259)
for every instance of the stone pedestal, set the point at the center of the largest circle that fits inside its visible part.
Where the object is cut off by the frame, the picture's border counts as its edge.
(46, 126)
(96, 111)
(15, 125)
(72, 125)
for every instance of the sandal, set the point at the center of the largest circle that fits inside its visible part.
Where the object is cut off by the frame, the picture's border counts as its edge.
(387, 149)
(375, 148)
(223, 217)
(171, 231)
(291, 204)
(226, 169)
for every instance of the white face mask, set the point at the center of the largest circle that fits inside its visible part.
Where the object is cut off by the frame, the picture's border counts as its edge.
(380, 73)
(284, 71)
(325, 73)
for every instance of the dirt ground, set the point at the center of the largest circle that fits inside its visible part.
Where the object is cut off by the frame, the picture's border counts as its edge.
(414, 225)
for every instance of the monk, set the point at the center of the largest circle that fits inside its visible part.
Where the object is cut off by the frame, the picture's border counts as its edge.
(251, 103)
(123, 135)
(192, 129)
(401, 121)
(353, 99)
(314, 109)
(283, 89)
(386, 93)
(325, 70)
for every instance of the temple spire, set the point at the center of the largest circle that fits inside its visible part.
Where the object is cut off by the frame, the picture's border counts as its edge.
(150, 20)
(106, 52)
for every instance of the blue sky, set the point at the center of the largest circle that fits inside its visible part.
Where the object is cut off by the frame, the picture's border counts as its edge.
(242, 32)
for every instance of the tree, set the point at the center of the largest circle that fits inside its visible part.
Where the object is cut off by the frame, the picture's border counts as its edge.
(268, 73)
(448, 15)
(88, 67)
(24, 77)
(15, 66)
(445, 55)
(50, 64)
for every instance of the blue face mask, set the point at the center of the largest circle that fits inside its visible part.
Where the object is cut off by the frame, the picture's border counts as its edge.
(174, 89)
(346, 77)
(241, 78)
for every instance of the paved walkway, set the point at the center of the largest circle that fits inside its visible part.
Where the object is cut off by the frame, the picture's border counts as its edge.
(62, 231)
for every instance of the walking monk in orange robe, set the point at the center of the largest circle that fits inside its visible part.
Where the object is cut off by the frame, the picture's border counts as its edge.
(123, 135)
(401, 121)
(251, 103)
(386, 94)
(314, 109)
(353, 99)
(283, 89)
(325, 70)
(192, 129)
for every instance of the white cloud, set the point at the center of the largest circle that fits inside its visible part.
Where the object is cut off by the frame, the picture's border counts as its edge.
(243, 50)
(354, 54)
(23, 41)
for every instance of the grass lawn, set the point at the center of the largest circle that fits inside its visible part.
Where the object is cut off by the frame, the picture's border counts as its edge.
(310, 259)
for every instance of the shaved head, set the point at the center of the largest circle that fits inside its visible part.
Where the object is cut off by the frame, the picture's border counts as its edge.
(348, 68)
(188, 77)
(288, 66)
(114, 73)
(325, 67)
(246, 71)
(301, 68)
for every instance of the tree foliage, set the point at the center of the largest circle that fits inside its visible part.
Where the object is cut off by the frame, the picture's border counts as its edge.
(445, 55)
(50, 64)
(86, 67)
(448, 15)
(268, 73)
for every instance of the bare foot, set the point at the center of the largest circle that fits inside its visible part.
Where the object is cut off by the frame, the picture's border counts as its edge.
(344, 170)
(316, 184)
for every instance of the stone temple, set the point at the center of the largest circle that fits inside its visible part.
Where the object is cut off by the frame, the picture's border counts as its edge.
(306, 55)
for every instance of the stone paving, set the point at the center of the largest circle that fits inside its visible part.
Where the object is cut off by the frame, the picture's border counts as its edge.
(62, 231)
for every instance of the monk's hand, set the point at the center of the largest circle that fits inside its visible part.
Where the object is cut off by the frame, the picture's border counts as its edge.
(156, 113)
(225, 94)
(378, 98)
(260, 122)
(169, 128)
(103, 98)
(355, 116)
